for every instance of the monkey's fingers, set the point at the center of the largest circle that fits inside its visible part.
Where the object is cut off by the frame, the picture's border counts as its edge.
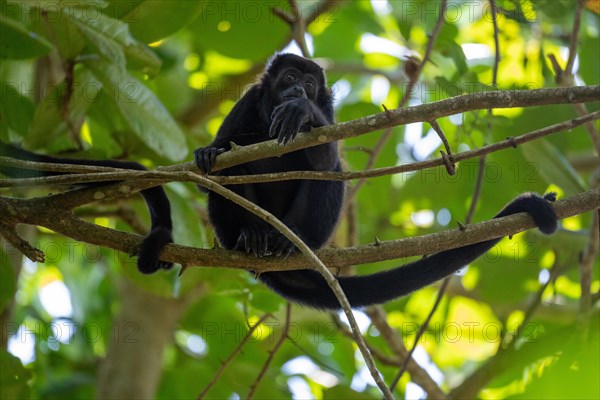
(203, 157)
(256, 240)
(290, 128)
(241, 243)
(277, 118)
(253, 239)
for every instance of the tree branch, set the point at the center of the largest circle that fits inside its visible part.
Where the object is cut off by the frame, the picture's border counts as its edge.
(39, 212)
(89, 175)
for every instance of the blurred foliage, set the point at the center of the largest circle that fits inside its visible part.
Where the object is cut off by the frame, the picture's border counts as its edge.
(114, 79)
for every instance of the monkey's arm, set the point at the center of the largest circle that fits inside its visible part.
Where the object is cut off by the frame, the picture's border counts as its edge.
(156, 200)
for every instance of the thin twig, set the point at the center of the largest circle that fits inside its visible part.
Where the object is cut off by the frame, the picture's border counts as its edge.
(423, 112)
(420, 333)
(428, 50)
(378, 354)
(533, 306)
(232, 356)
(297, 24)
(309, 254)
(417, 373)
(438, 129)
(160, 176)
(446, 281)
(474, 200)
(496, 364)
(565, 78)
(568, 71)
(586, 266)
(282, 338)
(9, 233)
(497, 56)
(414, 77)
(207, 100)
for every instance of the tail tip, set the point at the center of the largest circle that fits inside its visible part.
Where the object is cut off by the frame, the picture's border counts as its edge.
(546, 219)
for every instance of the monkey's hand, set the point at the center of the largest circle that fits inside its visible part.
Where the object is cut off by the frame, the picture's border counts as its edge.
(288, 118)
(205, 158)
(254, 239)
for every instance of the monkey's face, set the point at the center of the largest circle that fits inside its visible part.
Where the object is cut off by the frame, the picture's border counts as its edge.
(292, 83)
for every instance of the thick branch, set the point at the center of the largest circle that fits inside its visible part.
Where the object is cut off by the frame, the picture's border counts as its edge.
(39, 212)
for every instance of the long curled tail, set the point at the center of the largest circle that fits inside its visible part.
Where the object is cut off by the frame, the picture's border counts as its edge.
(308, 286)
(156, 200)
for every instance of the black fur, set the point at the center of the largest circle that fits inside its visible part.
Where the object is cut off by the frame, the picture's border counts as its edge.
(156, 199)
(278, 106)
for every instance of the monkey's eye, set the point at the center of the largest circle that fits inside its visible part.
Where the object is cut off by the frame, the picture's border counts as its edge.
(309, 85)
(289, 77)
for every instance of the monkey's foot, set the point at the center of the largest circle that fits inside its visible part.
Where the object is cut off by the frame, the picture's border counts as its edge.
(254, 239)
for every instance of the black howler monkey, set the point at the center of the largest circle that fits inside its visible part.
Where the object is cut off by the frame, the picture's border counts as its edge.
(292, 97)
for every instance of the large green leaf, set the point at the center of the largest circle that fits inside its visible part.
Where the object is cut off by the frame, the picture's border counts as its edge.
(142, 110)
(17, 42)
(151, 20)
(113, 40)
(107, 38)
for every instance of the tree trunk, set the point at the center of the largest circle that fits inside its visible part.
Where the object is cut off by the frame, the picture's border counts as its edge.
(133, 363)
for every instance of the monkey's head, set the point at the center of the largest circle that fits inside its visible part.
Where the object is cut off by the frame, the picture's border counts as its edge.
(289, 76)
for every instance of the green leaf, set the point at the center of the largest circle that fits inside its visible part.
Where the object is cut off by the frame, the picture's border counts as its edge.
(577, 364)
(49, 119)
(142, 110)
(265, 300)
(231, 28)
(153, 20)
(455, 52)
(18, 42)
(139, 56)
(114, 41)
(104, 37)
(344, 28)
(16, 111)
(13, 377)
(553, 167)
